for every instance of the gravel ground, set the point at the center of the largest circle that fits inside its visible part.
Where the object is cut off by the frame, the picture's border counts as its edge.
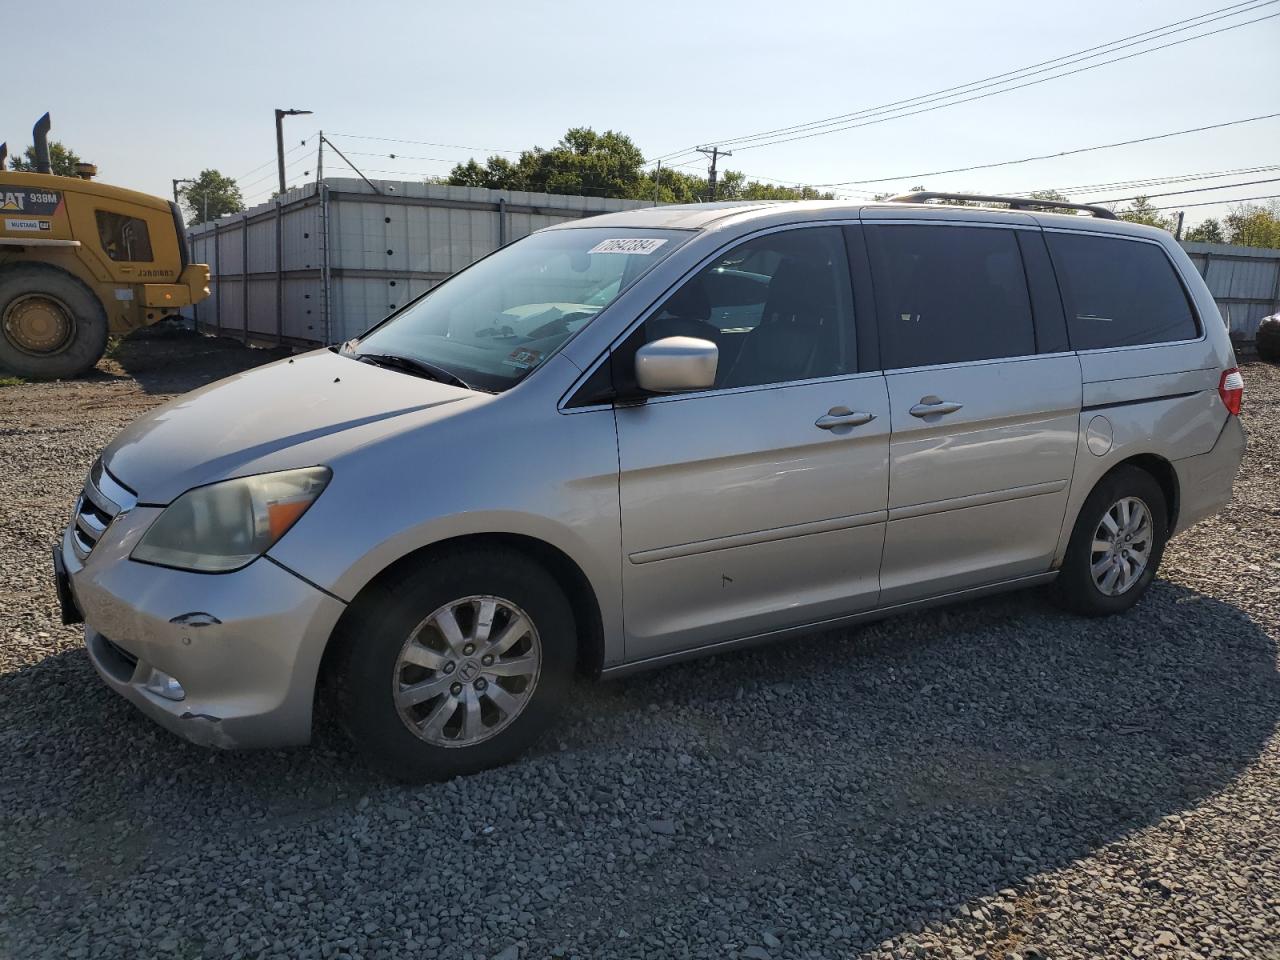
(992, 780)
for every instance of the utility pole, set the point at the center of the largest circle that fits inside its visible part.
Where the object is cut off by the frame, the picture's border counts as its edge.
(1177, 231)
(715, 153)
(657, 183)
(280, 115)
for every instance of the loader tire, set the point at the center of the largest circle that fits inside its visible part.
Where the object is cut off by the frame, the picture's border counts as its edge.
(52, 326)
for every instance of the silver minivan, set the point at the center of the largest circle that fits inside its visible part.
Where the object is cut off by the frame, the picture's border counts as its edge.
(645, 436)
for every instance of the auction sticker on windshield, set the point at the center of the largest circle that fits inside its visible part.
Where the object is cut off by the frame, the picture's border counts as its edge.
(637, 245)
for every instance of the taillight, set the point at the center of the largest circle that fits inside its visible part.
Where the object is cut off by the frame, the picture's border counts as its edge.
(1231, 390)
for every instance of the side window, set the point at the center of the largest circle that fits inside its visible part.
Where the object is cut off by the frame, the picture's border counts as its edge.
(1119, 292)
(949, 294)
(779, 308)
(124, 238)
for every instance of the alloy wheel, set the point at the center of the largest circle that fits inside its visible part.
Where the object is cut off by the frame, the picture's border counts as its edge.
(467, 671)
(1121, 548)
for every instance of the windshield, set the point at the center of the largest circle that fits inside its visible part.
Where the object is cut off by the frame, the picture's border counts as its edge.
(506, 315)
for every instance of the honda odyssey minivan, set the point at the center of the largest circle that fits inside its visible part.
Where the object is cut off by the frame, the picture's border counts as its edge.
(645, 436)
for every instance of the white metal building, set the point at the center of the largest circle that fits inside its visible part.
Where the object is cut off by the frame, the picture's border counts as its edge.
(327, 261)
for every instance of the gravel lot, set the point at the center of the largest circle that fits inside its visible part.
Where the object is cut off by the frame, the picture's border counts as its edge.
(989, 780)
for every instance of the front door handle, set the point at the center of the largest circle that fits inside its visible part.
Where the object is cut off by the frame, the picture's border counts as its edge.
(929, 406)
(843, 417)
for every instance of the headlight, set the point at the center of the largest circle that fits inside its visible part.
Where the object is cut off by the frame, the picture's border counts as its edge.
(228, 525)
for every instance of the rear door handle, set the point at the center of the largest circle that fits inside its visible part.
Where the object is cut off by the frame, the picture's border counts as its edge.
(929, 406)
(843, 417)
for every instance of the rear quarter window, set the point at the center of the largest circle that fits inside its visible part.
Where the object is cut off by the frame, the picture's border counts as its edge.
(1119, 293)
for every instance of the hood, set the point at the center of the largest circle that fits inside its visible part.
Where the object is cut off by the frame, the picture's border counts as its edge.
(292, 413)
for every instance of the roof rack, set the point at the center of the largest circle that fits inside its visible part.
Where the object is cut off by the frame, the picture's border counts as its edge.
(1015, 203)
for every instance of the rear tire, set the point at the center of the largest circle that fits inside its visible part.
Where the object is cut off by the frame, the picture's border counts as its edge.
(432, 635)
(1110, 563)
(52, 326)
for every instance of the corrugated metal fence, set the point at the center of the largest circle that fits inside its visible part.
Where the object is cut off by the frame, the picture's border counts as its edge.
(1244, 280)
(329, 260)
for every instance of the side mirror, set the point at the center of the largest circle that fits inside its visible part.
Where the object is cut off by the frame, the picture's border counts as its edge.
(674, 364)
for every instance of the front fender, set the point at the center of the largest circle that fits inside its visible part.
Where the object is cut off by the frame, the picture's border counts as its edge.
(496, 470)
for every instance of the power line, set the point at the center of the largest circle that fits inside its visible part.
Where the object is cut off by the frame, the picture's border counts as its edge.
(418, 175)
(273, 159)
(1021, 86)
(1213, 203)
(429, 143)
(960, 87)
(1176, 193)
(271, 185)
(1165, 30)
(400, 156)
(811, 129)
(1049, 156)
(272, 175)
(781, 181)
(1149, 182)
(400, 173)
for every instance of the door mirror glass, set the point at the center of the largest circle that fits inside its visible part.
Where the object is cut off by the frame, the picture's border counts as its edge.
(675, 364)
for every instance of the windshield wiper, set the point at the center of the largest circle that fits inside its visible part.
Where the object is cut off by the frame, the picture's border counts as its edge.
(415, 366)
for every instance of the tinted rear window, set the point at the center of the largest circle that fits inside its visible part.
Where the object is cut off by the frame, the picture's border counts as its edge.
(949, 294)
(1119, 292)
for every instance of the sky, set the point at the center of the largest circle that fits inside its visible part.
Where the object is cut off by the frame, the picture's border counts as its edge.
(151, 91)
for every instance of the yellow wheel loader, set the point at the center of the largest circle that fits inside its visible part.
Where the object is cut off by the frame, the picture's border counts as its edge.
(80, 260)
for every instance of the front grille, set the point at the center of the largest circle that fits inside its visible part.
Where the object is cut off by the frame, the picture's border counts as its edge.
(111, 658)
(121, 652)
(103, 499)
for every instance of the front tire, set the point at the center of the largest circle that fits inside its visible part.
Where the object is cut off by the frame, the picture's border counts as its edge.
(456, 665)
(52, 326)
(1116, 545)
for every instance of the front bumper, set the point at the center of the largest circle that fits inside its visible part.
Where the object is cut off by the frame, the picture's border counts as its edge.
(245, 646)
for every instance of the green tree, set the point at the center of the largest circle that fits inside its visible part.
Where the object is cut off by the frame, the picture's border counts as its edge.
(1050, 195)
(211, 196)
(1143, 211)
(734, 185)
(61, 157)
(609, 164)
(1207, 231)
(673, 186)
(583, 162)
(1254, 225)
(498, 173)
(918, 188)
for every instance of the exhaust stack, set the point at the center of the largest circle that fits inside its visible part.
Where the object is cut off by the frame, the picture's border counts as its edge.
(40, 136)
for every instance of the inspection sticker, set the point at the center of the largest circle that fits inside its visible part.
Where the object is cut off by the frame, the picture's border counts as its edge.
(29, 226)
(522, 358)
(643, 246)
